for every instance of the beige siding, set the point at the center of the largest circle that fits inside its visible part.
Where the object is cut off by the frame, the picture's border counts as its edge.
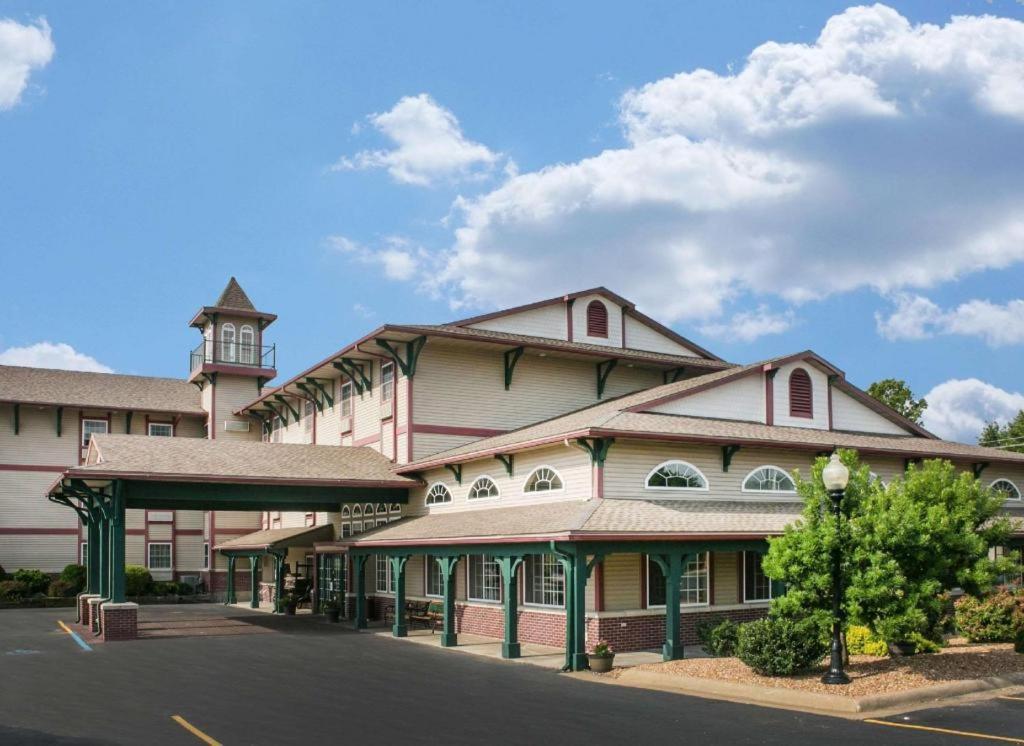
(579, 322)
(37, 441)
(23, 504)
(727, 572)
(742, 399)
(819, 383)
(850, 414)
(639, 336)
(232, 393)
(188, 554)
(546, 321)
(622, 582)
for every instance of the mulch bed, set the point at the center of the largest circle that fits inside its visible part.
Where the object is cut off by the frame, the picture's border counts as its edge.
(869, 675)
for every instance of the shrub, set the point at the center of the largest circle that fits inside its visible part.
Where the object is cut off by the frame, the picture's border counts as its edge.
(162, 588)
(184, 589)
(862, 641)
(925, 645)
(137, 580)
(61, 588)
(995, 618)
(13, 590)
(780, 647)
(718, 636)
(3, 575)
(36, 581)
(75, 575)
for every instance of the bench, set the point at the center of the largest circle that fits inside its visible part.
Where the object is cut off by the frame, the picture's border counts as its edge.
(432, 616)
(414, 611)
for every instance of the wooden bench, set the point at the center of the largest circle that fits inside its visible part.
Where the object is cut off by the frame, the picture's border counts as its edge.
(415, 611)
(432, 616)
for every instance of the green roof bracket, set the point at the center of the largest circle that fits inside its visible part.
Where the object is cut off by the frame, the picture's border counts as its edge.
(356, 371)
(978, 468)
(508, 460)
(673, 375)
(312, 394)
(456, 470)
(284, 401)
(280, 414)
(511, 358)
(318, 384)
(597, 448)
(406, 364)
(604, 370)
(727, 453)
(60, 421)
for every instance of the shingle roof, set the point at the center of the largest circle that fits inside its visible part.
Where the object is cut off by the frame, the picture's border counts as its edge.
(74, 388)
(199, 459)
(280, 537)
(234, 297)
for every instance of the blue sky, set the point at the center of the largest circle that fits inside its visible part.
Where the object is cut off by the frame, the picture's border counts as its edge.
(854, 187)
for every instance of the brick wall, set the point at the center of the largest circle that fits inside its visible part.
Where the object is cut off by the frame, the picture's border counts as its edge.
(647, 632)
(120, 622)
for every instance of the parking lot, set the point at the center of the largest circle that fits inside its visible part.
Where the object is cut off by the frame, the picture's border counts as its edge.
(300, 679)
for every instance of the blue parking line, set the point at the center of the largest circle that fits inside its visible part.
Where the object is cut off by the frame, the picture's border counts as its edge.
(74, 636)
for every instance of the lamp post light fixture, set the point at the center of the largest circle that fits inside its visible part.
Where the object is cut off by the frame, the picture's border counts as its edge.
(836, 476)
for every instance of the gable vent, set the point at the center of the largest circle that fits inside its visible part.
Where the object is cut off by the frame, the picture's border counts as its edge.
(597, 319)
(236, 426)
(801, 394)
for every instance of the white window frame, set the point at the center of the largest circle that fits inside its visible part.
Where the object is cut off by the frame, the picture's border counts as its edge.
(83, 552)
(247, 349)
(528, 579)
(428, 563)
(308, 413)
(345, 395)
(86, 436)
(206, 556)
(346, 530)
(472, 487)
(748, 490)
(484, 578)
(743, 576)
(151, 425)
(682, 576)
(430, 490)
(1010, 482)
(652, 472)
(555, 490)
(388, 585)
(228, 348)
(387, 384)
(170, 555)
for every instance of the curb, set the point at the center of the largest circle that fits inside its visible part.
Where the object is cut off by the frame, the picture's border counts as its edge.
(793, 699)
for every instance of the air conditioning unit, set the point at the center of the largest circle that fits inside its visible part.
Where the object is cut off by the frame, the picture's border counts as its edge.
(236, 426)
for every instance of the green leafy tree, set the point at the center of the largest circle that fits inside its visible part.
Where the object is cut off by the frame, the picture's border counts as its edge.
(902, 545)
(896, 394)
(1009, 436)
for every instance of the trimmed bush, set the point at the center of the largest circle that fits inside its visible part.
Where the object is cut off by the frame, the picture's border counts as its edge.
(995, 618)
(137, 580)
(781, 647)
(75, 575)
(61, 588)
(862, 641)
(36, 581)
(163, 588)
(718, 637)
(13, 590)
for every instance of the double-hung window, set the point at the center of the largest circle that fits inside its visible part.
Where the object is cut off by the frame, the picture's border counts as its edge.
(206, 555)
(484, 578)
(383, 575)
(387, 381)
(693, 583)
(162, 429)
(756, 585)
(159, 556)
(93, 427)
(346, 399)
(435, 584)
(544, 583)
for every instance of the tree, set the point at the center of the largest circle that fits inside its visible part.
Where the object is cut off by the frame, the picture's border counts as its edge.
(1009, 436)
(902, 545)
(896, 394)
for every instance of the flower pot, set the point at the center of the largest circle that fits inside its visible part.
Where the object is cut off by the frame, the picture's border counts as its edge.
(902, 648)
(333, 615)
(601, 663)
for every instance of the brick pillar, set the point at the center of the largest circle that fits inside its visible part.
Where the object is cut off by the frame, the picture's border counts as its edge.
(83, 607)
(119, 621)
(94, 613)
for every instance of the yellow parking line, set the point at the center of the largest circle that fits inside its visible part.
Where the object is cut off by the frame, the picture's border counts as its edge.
(195, 731)
(1009, 696)
(930, 729)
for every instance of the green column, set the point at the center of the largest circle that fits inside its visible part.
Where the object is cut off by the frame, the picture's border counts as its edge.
(672, 567)
(92, 550)
(509, 566)
(568, 570)
(231, 598)
(398, 579)
(314, 594)
(338, 562)
(359, 570)
(449, 638)
(278, 580)
(255, 565)
(103, 555)
(579, 612)
(117, 546)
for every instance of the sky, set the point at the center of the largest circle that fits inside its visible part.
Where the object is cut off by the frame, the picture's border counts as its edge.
(763, 177)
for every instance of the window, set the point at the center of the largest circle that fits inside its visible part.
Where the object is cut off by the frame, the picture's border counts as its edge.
(247, 345)
(1007, 487)
(438, 494)
(597, 319)
(693, 583)
(801, 396)
(543, 479)
(162, 429)
(544, 581)
(387, 381)
(159, 556)
(346, 530)
(756, 585)
(769, 479)
(206, 555)
(484, 578)
(307, 419)
(346, 399)
(435, 584)
(227, 343)
(276, 430)
(483, 488)
(93, 427)
(676, 475)
(83, 553)
(383, 573)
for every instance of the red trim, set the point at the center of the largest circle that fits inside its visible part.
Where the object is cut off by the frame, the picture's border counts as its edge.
(148, 477)
(597, 319)
(205, 311)
(38, 531)
(801, 394)
(368, 440)
(541, 303)
(340, 546)
(402, 430)
(234, 370)
(35, 467)
(769, 396)
(477, 432)
(188, 532)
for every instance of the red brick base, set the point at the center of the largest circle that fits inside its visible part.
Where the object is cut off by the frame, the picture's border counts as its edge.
(647, 632)
(93, 619)
(119, 621)
(83, 607)
(218, 581)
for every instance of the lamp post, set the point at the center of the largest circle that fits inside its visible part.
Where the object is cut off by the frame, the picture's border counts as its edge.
(836, 476)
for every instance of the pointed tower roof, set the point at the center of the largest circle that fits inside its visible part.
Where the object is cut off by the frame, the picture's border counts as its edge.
(232, 301)
(232, 296)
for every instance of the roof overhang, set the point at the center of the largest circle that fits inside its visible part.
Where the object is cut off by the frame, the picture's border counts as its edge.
(208, 312)
(273, 539)
(94, 407)
(622, 540)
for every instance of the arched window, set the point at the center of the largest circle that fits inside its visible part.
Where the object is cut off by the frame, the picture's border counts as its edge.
(396, 508)
(367, 509)
(357, 512)
(227, 343)
(382, 509)
(1007, 487)
(676, 475)
(247, 345)
(483, 488)
(543, 479)
(438, 494)
(768, 479)
(346, 512)
(597, 319)
(801, 395)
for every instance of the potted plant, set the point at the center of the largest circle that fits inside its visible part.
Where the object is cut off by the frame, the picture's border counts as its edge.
(288, 603)
(333, 610)
(601, 657)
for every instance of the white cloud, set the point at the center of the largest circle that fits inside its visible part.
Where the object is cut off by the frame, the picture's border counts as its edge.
(959, 408)
(50, 355)
(428, 145)
(363, 311)
(746, 326)
(398, 258)
(23, 48)
(916, 317)
(884, 155)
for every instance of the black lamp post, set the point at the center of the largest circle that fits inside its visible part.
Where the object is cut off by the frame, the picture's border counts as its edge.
(836, 476)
